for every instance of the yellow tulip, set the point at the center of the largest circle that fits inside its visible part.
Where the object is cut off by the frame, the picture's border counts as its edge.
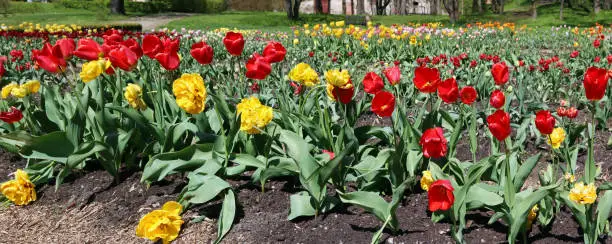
(254, 116)
(133, 94)
(161, 224)
(426, 180)
(556, 137)
(582, 194)
(190, 93)
(21, 190)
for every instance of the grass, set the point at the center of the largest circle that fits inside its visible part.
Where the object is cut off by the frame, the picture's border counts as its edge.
(51, 13)
(517, 12)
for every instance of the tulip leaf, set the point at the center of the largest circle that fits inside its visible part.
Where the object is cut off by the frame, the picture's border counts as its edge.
(186, 160)
(300, 205)
(521, 209)
(603, 211)
(524, 171)
(228, 213)
(53, 146)
(202, 188)
(370, 201)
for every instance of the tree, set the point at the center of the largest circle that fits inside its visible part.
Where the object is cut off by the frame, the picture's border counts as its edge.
(360, 7)
(534, 9)
(318, 6)
(596, 6)
(561, 10)
(476, 6)
(293, 9)
(381, 5)
(117, 7)
(452, 8)
(343, 7)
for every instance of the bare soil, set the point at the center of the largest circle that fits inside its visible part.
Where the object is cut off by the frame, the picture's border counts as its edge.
(91, 209)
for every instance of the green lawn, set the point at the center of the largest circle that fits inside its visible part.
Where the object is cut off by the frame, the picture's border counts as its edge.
(517, 11)
(51, 13)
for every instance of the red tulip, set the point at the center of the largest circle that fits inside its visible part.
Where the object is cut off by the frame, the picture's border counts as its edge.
(88, 49)
(499, 124)
(498, 99)
(123, 58)
(46, 59)
(311, 54)
(595, 83)
(64, 48)
(329, 153)
(297, 88)
(258, 67)
(574, 54)
(133, 45)
(16, 55)
(2, 69)
(383, 104)
(609, 58)
(440, 195)
(372, 83)
(561, 111)
(426, 79)
(274, 52)
(12, 116)
(596, 43)
(473, 63)
(545, 122)
(202, 52)
(500, 73)
(434, 143)
(254, 87)
(151, 45)
(168, 57)
(234, 43)
(393, 75)
(448, 90)
(343, 95)
(597, 59)
(468, 95)
(572, 113)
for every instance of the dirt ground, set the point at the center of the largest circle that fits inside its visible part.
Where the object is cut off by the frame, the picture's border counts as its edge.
(90, 209)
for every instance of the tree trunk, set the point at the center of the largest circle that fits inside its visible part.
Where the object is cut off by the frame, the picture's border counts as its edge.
(534, 9)
(117, 7)
(293, 9)
(403, 7)
(481, 3)
(352, 7)
(343, 7)
(461, 6)
(318, 6)
(561, 10)
(475, 6)
(452, 8)
(381, 6)
(596, 6)
(434, 7)
(360, 7)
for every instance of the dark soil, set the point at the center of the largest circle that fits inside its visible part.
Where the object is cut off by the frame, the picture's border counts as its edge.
(91, 209)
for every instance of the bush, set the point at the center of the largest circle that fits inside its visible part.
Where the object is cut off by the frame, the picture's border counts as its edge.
(153, 6)
(199, 6)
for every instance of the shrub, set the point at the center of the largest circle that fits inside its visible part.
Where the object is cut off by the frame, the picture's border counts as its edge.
(153, 6)
(199, 6)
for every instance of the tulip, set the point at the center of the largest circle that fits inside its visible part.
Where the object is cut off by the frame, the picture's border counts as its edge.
(47, 60)
(274, 52)
(202, 52)
(372, 83)
(500, 73)
(434, 143)
(499, 124)
(151, 45)
(393, 75)
(88, 49)
(448, 90)
(123, 58)
(468, 95)
(426, 79)
(383, 104)
(64, 48)
(12, 116)
(440, 195)
(545, 122)
(258, 67)
(498, 99)
(595, 83)
(234, 43)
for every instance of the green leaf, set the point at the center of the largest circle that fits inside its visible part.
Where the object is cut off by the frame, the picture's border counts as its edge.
(524, 171)
(248, 160)
(300, 205)
(202, 188)
(603, 211)
(226, 218)
(185, 160)
(140, 120)
(478, 196)
(521, 209)
(54, 146)
(370, 201)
